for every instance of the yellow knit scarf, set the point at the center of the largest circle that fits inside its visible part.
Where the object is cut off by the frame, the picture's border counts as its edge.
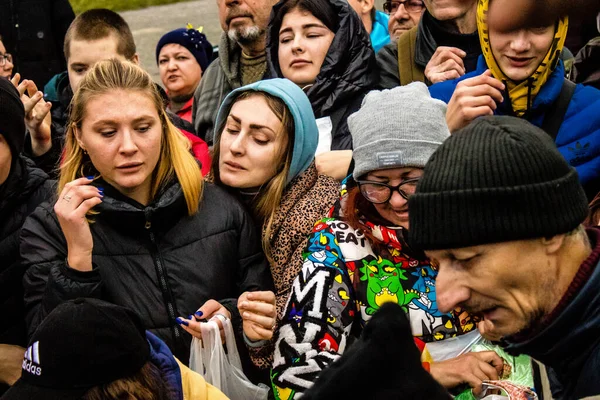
(521, 93)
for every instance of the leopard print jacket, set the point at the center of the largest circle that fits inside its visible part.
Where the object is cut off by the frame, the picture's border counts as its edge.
(309, 198)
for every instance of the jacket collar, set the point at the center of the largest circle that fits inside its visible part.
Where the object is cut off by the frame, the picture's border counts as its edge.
(578, 322)
(127, 214)
(546, 96)
(162, 358)
(431, 34)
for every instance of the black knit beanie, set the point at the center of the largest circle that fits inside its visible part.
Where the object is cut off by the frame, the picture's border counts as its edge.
(496, 180)
(12, 117)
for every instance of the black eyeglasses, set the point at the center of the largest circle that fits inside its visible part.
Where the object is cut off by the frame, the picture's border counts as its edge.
(412, 6)
(378, 192)
(4, 58)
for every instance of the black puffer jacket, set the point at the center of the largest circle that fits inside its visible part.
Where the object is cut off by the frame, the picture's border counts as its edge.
(34, 32)
(156, 260)
(348, 73)
(25, 188)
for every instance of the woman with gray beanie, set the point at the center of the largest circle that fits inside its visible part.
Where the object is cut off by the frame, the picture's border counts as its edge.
(357, 259)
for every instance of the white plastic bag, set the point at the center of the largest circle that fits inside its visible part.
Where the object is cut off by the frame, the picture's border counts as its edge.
(220, 369)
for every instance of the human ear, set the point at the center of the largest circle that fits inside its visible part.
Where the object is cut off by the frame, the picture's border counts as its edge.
(553, 244)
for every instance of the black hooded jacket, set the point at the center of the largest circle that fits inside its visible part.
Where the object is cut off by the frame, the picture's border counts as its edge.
(348, 73)
(154, 259)
(24, 189)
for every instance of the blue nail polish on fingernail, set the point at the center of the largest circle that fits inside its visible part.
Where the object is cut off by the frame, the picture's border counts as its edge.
(181, 321)
(198, 313)
(91, 177)
(190, 316)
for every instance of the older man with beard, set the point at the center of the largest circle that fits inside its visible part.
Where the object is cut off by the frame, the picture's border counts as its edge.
(242, 59)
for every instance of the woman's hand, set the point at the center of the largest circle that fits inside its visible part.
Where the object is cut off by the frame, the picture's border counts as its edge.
(75, 201)
(259, 314)
(472, 98)
(212, 309)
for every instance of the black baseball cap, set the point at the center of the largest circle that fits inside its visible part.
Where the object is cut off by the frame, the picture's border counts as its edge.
(81, 344)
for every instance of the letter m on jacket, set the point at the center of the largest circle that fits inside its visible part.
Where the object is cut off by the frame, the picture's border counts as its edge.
(314, 289)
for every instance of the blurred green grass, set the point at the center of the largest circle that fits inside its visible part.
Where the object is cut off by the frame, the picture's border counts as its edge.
(117, 5)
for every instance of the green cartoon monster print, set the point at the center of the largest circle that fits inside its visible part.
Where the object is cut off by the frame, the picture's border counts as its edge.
(383, 285)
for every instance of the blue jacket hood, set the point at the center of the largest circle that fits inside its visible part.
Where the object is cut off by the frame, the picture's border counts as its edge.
(306, 135)
(379, 34)
(163, 359)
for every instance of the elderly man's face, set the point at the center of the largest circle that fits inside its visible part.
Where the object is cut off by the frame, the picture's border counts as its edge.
(508, 285)
(245, 21)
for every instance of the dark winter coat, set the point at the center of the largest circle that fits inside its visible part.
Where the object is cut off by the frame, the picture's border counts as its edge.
(25, 188)
(348, 73)
(34, 32)
(430, 35)
(570, 342)
(156, 260)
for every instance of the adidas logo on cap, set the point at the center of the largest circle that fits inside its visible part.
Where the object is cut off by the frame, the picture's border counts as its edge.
(31, 362)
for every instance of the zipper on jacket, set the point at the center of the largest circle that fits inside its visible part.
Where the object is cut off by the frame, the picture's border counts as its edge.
(162, 277)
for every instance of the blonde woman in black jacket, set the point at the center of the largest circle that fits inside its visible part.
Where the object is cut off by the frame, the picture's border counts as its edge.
(133, 223)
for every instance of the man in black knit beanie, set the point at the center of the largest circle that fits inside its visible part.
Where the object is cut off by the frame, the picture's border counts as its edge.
(501, 210)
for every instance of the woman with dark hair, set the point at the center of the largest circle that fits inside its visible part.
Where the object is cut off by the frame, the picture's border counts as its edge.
(323, 47)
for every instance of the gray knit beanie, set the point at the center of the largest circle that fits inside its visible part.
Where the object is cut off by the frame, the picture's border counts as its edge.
(401, 127)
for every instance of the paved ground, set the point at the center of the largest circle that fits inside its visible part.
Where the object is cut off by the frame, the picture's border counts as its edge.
(149, 24)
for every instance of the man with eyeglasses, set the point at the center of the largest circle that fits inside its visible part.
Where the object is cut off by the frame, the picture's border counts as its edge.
(404, 15)
(444, 45)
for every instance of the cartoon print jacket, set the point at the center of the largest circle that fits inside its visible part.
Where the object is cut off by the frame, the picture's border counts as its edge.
(343, 282)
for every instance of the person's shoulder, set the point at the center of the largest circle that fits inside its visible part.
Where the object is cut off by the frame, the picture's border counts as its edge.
(388, 53)
(585, 104)
(586, 92)
(217, 200)
(213, 69)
